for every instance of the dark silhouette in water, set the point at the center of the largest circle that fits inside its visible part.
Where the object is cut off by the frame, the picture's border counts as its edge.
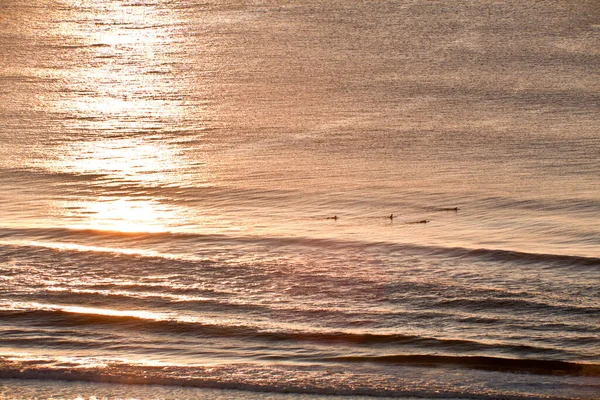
(423, 221)
(391, 217)
(334, 217)
(448, 209)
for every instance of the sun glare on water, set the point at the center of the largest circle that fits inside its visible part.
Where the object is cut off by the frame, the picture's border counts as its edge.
(125, 215)
(125, 172)
(116, 151)
(123, 160)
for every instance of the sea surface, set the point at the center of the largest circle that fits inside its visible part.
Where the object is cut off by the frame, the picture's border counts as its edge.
(268, 199)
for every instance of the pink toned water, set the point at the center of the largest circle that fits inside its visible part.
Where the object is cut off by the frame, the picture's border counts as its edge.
(170, 170)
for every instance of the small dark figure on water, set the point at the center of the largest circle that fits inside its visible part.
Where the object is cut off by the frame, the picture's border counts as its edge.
(391, 217)
(334, 217)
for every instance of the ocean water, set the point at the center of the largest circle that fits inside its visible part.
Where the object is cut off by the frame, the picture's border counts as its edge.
(171, 173)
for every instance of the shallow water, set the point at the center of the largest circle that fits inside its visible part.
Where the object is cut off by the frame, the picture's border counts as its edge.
(169, 172)
(33, 388)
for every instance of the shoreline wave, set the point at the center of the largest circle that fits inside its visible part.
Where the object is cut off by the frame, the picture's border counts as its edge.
(476, 351)
(485, 254)
(290, 380)
(532, 366)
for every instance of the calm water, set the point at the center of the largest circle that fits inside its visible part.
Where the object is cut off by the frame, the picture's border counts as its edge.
(169, 170)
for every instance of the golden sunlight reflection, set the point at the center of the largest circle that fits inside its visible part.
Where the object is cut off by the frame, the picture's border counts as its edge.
(110, 312)
(114, 313)
(87, 310)
(119, 146)
(123, 159)
(86, 248)
(128, 215)
(123, 80)
(129, 168)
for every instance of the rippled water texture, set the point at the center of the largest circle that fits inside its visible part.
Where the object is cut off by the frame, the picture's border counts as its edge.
(391, 198)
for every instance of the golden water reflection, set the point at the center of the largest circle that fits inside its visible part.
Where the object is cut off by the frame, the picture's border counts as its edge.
(127, 215)
(127, 116)
(128, 167)
(132, 160)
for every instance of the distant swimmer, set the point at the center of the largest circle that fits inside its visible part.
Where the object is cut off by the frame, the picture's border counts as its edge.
(334, 217)
(423, 221)
(449, 209)
(391, 217)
